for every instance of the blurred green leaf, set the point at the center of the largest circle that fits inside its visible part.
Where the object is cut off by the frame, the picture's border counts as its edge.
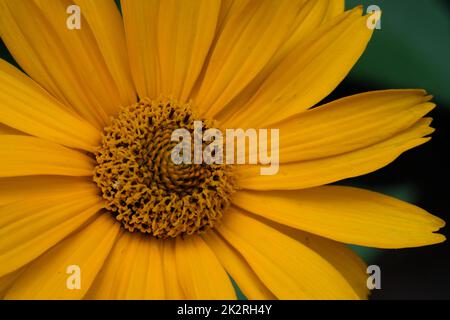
(239, 293)
(412, 48)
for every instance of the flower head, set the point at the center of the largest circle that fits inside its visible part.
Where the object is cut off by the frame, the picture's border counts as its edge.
(87, 178)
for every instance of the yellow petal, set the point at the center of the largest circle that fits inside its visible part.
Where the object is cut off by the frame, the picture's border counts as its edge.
(307, 174)
(106, 24)
(288, 268)
(23, 155)
(185, 33)
(29, 108)
(68, 63)
(139, 17)
(348, 215)
(250, 35)
(35, 187)
(309, 73)
(312, 15)
(8, 280)
(200, 273)
(334, 8)
(7, 130)
(171, 282)
(238, 268)
(351, 123)
(49, 276)
(347, 262)
(30, 227)
(132, 271)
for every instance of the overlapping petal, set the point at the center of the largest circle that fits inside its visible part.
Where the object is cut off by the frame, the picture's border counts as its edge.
(132, 271)
(67, 63)
(30, 227)
(288, 268)
(348, 215)
(49, 277)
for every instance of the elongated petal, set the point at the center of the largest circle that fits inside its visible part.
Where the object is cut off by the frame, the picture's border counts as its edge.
(309, 73)
(347, 215)
(23, 155)
(185, 32)
(200, 273)
(85, 251)
(312, 15)
(288, 268)
(172, 285)
(106, 24)
(334, 8)
(30, 227)
(347, 262)
(35, 187)
(133, 270)
(238, 268)
(250, 35)
(68, 63)
(307, 174)
(7, 130)
(350, 124)
(141, 30)
(8, 280)
(29, 108)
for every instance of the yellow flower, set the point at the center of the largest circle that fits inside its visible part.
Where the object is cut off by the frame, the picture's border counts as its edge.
(95, 107)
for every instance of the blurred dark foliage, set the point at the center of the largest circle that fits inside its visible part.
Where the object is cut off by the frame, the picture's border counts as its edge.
(412, 50)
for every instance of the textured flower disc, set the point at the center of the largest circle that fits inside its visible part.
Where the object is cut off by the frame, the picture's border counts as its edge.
(143, 188)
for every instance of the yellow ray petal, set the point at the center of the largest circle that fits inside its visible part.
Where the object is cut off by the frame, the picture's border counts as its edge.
(200, 273)
(347, 262)
(30, 227)
(225, 8)
(172, 284)
(251, 34)
(348, 215)
(106, 24)
(7, 130)
(8, 280)
(185, 33)
(318, 172)
(288, 268)
(140, 19)
(24, 155)
(133, 270)
(312, 14)
(68, 63)
(309, 73)
(351, 123)
(35, 187)
(29, 108)
(238, 268)
(334, 8)
(49, 276)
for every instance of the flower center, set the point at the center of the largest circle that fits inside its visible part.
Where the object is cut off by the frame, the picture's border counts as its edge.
(143, 188)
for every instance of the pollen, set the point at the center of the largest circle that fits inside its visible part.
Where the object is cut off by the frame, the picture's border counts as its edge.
(141, 185)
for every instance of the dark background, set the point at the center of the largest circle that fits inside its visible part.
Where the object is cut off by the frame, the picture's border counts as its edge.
(410, 51)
